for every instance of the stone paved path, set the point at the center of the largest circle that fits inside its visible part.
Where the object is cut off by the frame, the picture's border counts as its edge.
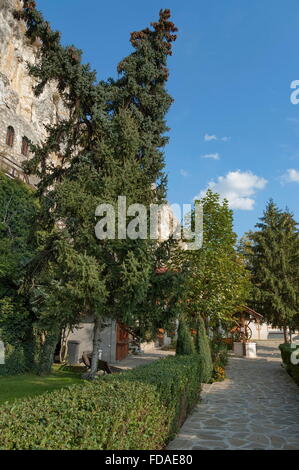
(257, 407)
(142, 359)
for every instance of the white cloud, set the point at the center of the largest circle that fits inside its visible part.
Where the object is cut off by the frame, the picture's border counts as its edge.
(237, 187)
(213, 156)
(184, 173)
(208, 138)
(291, 176)
(293, 120)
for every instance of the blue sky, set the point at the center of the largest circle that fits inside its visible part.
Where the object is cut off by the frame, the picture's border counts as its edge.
(233, 125)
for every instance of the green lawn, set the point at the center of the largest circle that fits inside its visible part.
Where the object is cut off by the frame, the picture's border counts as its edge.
(20, 386)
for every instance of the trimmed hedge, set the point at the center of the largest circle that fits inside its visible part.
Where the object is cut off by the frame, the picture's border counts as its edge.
(178, 382)
(293, 369)
(139, 409)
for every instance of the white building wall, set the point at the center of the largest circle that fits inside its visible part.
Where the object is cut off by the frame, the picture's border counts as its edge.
(264, 331)
(259, 331)
(83, 335)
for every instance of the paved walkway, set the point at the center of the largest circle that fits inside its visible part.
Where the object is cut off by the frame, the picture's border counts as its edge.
(257, 407)
(136, 360)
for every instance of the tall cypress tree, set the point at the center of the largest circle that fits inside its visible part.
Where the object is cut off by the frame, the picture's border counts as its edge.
(185, 343)
(274, 256)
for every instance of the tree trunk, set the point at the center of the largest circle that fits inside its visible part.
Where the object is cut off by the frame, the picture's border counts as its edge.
(90, 375)
(47, 353)
(285, 334)
(30, 351)
(290, 333)
(64, 345)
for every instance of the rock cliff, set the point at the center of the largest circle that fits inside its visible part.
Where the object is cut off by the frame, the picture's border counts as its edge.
(19, 107)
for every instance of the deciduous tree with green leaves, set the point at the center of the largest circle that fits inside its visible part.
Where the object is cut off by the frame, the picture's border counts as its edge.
(217, 282)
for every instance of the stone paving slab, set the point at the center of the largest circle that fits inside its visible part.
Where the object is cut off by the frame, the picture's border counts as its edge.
(256, 407)
(136, 360)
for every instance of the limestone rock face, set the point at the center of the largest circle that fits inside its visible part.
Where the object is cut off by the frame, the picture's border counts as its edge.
(19, 107)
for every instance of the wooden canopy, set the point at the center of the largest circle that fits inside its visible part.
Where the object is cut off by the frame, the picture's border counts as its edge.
(251, 313)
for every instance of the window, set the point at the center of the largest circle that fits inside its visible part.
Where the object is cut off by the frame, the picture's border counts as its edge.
(10, 136)
(25, 146)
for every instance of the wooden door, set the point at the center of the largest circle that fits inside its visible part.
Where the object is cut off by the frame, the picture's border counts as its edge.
(122, 342)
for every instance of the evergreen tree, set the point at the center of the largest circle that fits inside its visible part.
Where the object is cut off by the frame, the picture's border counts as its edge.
(273, 258)
(110, 145)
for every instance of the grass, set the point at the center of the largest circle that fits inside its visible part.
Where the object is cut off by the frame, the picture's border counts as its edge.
(28, 385)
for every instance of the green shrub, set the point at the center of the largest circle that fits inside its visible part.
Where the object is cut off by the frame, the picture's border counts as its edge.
(185, 343)
(104, 415)
(18, 210)
(204, 350)
(219, 353)
(286, 352)
(16, 333)
(14, 361)
(177, 380)
(139, 409)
